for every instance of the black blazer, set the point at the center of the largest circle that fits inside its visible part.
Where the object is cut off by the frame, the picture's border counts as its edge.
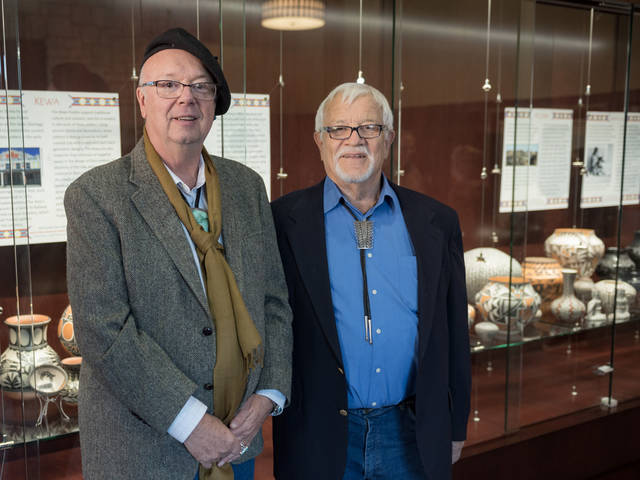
(310, 437)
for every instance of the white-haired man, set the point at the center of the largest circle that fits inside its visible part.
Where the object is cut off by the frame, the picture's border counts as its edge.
(381, 370)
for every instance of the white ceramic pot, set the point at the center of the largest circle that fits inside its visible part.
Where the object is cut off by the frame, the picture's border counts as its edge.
(606, 289)
(577, 248)
(567, 309)
(28, 349)
(508, 303)
(483, 263)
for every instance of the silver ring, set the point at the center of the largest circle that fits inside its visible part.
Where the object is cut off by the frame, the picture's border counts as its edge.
(243, 447)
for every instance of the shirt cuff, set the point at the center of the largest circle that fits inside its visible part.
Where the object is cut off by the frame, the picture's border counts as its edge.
(276, 397)
(187, 419)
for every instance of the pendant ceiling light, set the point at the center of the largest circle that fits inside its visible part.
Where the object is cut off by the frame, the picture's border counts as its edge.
(292, 14)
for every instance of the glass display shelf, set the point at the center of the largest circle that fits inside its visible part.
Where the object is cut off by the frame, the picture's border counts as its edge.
(56, 427)
(540, 330)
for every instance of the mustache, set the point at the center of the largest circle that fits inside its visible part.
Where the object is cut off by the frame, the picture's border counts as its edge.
(350, 150)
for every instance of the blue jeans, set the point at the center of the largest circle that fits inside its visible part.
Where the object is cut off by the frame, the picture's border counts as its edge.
(382, 445)
(242, 471)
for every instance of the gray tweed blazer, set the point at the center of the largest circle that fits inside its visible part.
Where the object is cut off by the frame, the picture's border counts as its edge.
(139, 312)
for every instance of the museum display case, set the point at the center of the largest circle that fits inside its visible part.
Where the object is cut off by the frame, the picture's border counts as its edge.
(522, 115)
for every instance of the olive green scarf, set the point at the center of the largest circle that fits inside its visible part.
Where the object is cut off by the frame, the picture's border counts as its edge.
(238, 344)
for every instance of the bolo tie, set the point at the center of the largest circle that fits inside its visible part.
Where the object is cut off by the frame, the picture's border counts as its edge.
(364, 241)
(201, 216)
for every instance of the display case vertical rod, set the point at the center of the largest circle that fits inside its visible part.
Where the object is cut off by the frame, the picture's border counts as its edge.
(495, 171)
(281, 176)
(134, 74)
(587, 93)
(400, 171)
(360, 43)
(577, 162)
(198, 19)
(620, 204)
(528, 167)
(486, 88)
(222, 67)
(244, 80)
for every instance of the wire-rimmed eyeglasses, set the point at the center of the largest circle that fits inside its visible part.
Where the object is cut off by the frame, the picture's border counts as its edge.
(342, 132)
(173, 89)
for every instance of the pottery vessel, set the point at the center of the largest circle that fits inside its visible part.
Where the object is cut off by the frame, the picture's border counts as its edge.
(634, 249)
(72, 366)
(28, 349)
(576, 248)
(567, 309)
(622, 308)
(606, 290)
(508, 304)
(486, 331)
(545, 276)
(606, 268)
(66, 332)
(471, 315)
(483, 263)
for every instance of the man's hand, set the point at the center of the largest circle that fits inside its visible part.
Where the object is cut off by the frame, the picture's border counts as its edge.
(456, 450)
(250, 417)
(211, 441)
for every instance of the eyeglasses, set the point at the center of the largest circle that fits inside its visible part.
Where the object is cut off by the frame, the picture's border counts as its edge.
(342, 132)
(173, 89)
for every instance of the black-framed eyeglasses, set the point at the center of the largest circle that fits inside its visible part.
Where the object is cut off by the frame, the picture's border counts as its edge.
(342, 132)
(174, 88)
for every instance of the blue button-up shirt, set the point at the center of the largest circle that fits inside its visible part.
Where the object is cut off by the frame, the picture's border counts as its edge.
(382, 373)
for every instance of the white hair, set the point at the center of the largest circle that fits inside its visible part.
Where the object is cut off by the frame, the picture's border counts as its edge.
(349, 92)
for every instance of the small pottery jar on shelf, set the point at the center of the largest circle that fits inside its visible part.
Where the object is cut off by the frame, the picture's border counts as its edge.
(28, 349)
(66, 332)
(545, 276)
(509, 303)
(72, 366)
(567, 309)
(606, 290)
(606, 268)
(621, 313)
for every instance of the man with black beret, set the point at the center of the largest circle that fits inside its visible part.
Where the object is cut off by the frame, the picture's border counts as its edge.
(178, 295)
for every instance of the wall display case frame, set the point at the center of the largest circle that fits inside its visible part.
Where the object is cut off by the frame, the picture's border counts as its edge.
(452, 71)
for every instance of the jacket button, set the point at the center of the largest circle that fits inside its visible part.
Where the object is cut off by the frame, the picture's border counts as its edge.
(206, 331)
(208, 386)
(343, 412)
(341, 371)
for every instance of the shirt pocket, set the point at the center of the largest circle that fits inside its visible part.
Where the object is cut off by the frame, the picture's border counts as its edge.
(407, 281)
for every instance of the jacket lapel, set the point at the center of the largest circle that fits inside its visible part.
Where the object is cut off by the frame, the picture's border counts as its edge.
(307, 239)
(427, 242)
(157, 212)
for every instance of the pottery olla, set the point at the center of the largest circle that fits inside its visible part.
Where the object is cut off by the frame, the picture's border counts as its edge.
(505, 302)
(606, 268)
(567, 309)
(545, 276)
(28, 349)
(576, 248)
(66, 333)
(606, 290)
(72, 366)
(483, 263)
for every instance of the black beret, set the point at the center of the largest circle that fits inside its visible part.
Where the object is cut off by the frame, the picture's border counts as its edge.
(178, 38)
